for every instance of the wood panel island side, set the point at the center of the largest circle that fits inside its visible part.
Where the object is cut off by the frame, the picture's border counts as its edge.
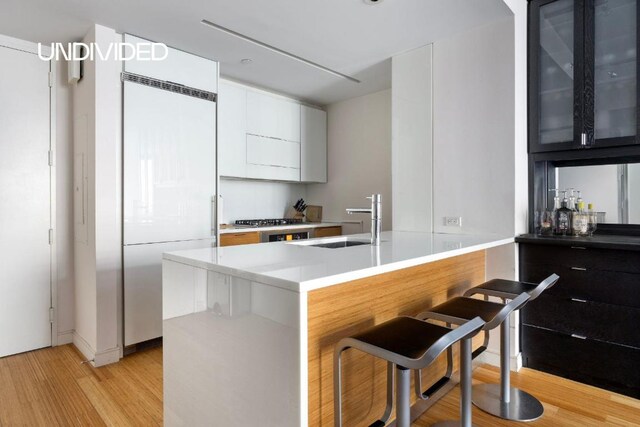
(249, 331)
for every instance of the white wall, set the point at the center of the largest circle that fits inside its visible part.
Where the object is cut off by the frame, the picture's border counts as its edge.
(412, 147)
(359, 159)
(474, 126)
(97, 100)
(247, 199)
(64, 206)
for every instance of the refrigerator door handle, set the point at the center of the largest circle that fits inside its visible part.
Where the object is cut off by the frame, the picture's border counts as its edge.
(213, 216)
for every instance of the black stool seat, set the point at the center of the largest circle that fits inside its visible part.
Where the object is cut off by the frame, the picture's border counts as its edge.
(405, 336)
(468, 308)
(505, 288)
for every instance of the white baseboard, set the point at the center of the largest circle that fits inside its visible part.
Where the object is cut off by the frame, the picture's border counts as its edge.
(87, 351)
(65, 337)
(96, 359)
(492, 358)
(107, 357)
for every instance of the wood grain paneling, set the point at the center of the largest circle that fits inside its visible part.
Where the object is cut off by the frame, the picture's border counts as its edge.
(343, 310)
(328, 231)
(233, 239)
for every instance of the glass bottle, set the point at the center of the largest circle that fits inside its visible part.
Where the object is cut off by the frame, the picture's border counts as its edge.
(580, 221)
(562, 219)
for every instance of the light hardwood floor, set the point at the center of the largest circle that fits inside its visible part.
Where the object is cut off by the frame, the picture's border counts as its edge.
(50, 387)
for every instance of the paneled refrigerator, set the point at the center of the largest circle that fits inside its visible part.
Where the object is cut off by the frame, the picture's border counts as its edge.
(169, 186)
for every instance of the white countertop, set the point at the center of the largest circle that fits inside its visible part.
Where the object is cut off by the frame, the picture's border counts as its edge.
(303, 268)
(304, 225)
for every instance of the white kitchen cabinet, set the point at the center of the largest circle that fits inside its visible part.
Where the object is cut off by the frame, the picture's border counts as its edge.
(313, 145)
(232, 128)
(272, 117)
(263, 136)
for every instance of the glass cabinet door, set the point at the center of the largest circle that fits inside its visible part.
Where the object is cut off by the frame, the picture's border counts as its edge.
(615, 72)
(552, 95)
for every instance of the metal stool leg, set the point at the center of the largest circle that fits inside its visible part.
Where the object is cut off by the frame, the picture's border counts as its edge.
(337, 391)
(426, 395)
(501, 400)
(465, 388)
(403, 397)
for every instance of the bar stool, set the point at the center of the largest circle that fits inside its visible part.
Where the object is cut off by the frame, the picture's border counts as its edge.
(459, 310)
(502, 400)
(408, 343)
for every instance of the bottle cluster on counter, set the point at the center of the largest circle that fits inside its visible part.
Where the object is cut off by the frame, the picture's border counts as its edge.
(569, 217)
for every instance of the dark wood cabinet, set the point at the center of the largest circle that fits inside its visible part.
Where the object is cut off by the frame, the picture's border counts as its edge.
(583, 74)
(585, 327)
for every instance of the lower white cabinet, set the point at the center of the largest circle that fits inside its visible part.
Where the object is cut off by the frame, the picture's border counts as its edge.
(143, 288)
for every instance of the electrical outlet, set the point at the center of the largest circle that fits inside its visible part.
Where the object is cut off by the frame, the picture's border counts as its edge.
(453, 221)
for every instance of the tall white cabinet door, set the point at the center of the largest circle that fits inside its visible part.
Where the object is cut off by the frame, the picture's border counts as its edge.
(169, 165)
(313, 145)
(232, 128)
(272, 117)
(25, 276)
(178, 67)
(143, 288)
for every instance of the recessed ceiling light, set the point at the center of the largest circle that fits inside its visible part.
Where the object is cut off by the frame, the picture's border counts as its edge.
(246, 61)
(278, 50)
(372, 1)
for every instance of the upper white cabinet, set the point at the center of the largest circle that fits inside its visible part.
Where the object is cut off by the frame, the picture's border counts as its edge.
(263, 136)
(313, 145)
(232, 130)
(178, 67)
(272, 117)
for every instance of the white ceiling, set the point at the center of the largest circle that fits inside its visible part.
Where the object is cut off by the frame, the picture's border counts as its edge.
(345, 35)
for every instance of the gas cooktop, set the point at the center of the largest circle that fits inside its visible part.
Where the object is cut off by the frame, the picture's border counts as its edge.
(267, 222)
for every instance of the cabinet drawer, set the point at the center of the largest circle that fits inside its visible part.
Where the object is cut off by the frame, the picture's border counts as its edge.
(581, 257)
(233, 239)
(272, 152)
(328, 231)
(581, 359)
(607, 287)
(604, 322)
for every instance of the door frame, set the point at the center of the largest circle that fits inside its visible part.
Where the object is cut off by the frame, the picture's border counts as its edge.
(32, 48)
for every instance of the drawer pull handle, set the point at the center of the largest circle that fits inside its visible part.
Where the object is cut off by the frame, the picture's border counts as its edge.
(580, 337)
(578, 247)
(579, 268)
(578, 300)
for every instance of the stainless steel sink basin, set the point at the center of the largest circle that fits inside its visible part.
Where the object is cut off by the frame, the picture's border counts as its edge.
(332, 242)
(336, 245)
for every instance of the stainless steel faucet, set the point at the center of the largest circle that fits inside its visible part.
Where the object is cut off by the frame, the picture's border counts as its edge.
(376, 216)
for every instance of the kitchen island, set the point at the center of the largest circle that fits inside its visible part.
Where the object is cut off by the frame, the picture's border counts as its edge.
(249, 331)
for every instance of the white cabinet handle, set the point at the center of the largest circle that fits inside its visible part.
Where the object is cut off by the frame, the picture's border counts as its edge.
(578, 300)
(579, 268)
(580, 337)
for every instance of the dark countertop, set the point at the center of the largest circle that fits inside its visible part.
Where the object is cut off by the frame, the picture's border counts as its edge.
(604, 241)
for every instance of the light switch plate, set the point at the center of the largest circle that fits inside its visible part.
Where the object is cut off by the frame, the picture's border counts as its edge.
(453, 221)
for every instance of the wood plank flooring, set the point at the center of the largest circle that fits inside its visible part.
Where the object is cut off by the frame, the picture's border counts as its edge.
(51, 388)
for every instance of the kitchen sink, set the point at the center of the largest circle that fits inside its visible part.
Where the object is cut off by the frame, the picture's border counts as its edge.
(332, 242)
(336, 245)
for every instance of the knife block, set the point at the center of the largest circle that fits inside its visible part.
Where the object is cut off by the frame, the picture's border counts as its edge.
(294, 214)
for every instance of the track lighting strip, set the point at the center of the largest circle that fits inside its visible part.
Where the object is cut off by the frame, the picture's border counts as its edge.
(276, 50)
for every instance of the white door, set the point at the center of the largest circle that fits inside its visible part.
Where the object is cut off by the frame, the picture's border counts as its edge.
(25, 203)
(169, 166)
